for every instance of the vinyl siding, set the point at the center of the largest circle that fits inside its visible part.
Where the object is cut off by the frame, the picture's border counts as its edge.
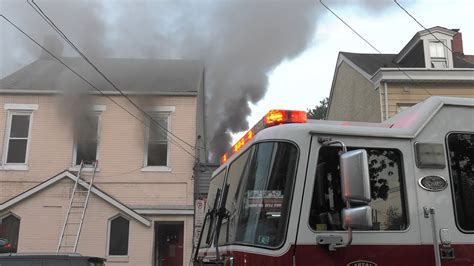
(353, 98)
(400, 94)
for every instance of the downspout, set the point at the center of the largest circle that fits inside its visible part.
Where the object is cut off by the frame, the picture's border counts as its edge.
(386, 99)
(381, 103)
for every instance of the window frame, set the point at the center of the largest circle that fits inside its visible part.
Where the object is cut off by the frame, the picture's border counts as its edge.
(165, 168)
(7, 214)
(97, 113)
(437, 58)
(451, 182)
(109, 228)
(403, 193)
(10, 113)
(291, 198)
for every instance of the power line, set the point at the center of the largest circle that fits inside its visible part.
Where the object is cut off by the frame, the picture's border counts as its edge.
(419, 23)
(89, 83)
(373, 47)
(352, 29)
(51, 23)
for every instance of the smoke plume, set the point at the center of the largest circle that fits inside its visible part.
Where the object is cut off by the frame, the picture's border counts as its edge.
(240, 41)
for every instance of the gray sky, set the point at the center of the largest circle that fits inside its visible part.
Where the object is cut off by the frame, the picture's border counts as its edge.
(258, 54)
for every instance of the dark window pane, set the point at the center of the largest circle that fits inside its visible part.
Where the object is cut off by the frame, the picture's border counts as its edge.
(461, 158)
(158, 128)
(386, 185)
(9, 230)
(157, 154)
(119, 228)
(20, 125)
(86, 151)
(17, 150)
(87, 127)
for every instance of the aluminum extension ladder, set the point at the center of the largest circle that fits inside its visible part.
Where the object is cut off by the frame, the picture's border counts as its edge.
(76, 211)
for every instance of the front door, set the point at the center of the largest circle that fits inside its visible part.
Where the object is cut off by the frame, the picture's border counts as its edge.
(169, 244)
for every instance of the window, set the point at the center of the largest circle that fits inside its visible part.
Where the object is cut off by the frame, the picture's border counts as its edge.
(87, 138)
(214, 193)
(157, 148)
(259, 196)
(461, 159)
(9, 231)
(438, 55)
(17, 138)
(118, 236)
(386, 185)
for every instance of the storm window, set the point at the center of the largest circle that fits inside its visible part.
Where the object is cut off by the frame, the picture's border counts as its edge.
(157, 147)
(118, 236)
(86, 138)
(17, 138)
(438, 55)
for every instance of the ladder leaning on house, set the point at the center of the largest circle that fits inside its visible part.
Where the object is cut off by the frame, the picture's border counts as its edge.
(71, 230)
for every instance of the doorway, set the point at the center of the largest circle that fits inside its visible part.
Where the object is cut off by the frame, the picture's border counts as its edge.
(169, 243)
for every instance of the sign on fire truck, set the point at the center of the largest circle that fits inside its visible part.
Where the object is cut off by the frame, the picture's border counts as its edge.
(298, 192)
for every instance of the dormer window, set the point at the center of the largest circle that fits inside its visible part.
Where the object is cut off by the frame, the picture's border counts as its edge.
(438, 55)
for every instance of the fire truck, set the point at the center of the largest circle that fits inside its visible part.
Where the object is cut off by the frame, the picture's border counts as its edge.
(294, 191)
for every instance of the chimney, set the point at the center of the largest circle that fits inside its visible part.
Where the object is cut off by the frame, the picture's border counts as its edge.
(456, 43)
(53, 45)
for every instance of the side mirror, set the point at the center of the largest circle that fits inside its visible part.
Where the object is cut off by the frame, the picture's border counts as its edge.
(355, 181)
(357, 218)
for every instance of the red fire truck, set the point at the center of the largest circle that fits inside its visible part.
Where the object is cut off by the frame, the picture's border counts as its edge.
(294, 191)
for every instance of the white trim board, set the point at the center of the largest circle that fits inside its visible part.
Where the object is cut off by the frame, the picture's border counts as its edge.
(21, 106)
(124, 209)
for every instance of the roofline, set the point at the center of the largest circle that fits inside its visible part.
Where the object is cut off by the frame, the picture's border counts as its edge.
(94, 190)
(395, 127)
(416, 38)
(419, 75)
(341, 58)
(112, 93)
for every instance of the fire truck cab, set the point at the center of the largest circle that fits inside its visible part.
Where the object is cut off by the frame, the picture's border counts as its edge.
(297, 192)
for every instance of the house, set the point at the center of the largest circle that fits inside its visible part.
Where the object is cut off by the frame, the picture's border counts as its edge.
(140, 210)
(374, 87)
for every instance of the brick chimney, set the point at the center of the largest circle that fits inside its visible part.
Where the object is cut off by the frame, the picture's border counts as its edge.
(53, 44)
(456, 43)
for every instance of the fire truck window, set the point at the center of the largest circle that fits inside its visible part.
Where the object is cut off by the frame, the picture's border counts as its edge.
(259, 212)
(461, 158)
(216, 183)
(386, 184)
(234, 180)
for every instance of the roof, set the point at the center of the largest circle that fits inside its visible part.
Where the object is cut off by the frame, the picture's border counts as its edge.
(64, 175)
(370, 63)
(405, 125)
(168, 77)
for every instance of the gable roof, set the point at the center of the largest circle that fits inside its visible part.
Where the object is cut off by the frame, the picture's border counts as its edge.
(166, 77)
(371, 63)
(66, 174)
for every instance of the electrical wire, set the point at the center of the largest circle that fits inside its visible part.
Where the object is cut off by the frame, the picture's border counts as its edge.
(51, 23)
(430, 32)
(373, 47)
(89, 83)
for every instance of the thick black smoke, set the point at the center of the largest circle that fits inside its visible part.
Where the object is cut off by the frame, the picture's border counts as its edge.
(240, 41)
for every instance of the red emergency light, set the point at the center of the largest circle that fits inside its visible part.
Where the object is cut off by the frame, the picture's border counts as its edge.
(272, 118)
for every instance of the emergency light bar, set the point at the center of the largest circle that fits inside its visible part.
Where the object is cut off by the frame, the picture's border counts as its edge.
(272, 118)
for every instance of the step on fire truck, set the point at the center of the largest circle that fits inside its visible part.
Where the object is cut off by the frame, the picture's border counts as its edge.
(294, 191)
